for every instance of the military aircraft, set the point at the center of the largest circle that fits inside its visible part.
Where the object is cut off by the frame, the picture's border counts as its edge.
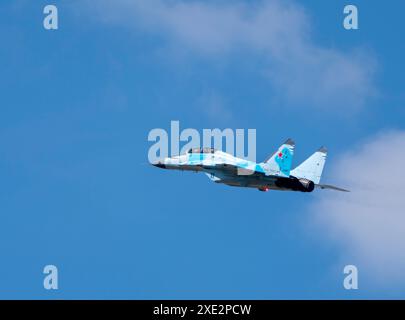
(272, 174)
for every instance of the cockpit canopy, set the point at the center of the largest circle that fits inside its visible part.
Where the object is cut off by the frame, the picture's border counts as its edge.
(201, 150)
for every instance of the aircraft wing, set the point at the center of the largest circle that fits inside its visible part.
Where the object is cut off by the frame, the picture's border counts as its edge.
(326, 186)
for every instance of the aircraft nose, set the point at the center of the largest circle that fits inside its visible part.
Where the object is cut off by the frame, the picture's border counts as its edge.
(159, 165)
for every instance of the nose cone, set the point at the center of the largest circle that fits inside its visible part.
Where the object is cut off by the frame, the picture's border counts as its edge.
(159, 165)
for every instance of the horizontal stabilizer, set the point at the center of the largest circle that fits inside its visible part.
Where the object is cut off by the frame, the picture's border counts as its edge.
(326, 186)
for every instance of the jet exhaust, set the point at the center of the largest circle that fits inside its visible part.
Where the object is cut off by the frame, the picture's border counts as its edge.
(292, 183)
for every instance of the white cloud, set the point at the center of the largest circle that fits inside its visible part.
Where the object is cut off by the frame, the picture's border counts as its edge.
(276, 33)
(369, 222)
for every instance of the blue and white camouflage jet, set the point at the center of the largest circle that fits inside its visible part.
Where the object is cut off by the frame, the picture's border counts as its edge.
(272, 174)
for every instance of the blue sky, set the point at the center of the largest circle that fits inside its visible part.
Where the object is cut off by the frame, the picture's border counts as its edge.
(77, 105)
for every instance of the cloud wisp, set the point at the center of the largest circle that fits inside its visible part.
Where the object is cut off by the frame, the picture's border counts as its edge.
(275, 33)
(369, 222)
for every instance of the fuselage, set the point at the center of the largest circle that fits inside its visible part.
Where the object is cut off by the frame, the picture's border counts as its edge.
(224, 168)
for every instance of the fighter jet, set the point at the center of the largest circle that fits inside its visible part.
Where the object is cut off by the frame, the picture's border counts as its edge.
(274, 173)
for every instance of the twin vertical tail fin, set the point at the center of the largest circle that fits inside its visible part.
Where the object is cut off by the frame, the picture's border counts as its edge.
(279, 164)
(312, 168)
